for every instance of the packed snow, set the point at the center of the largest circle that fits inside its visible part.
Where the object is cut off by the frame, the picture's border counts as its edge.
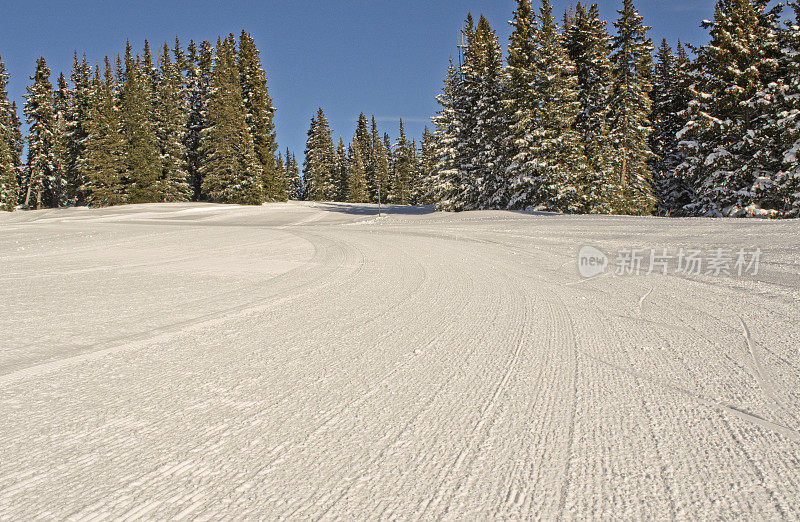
(308, 360)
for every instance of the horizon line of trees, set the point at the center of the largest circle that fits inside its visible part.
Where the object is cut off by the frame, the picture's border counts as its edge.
(194, 125)
(582, 121)
(367, 170)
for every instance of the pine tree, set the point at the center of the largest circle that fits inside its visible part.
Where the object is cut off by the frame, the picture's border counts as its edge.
(142, 164)
(772, 159)
(670, 96)
(357, 179)
(341, 173)
(60, 190)
(170, 119)
(784, 128)
(630, 107)
(320, 164)
(729, 73)
(231, 171)
(17, 145)
(377, 165)
(520, 105)
(41, 164)
(401, 188)
(76, 122)
(365, 148)
(445, 180)
(589, 46)
(427, 167)
(101, 165)
(479, 100)
(260, 114)
(9, 184)
(547, 179)
(293, 182)
(199, 78)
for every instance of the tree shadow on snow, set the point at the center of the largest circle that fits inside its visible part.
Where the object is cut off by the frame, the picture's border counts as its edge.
(372, 210)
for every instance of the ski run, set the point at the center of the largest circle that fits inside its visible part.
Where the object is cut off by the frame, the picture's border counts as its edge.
(316, 361)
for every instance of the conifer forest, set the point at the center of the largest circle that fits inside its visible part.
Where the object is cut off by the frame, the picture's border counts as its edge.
(581, 115)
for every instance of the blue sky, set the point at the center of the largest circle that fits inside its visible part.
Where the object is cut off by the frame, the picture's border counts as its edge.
(381, 57)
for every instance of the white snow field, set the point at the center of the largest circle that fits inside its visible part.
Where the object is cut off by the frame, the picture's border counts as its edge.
(302, 360)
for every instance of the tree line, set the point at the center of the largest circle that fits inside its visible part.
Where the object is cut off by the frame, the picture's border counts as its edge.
(369, 169)
(185, 125)
(584, 121)
(575, 118)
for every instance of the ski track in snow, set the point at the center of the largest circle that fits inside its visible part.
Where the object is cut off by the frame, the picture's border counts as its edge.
(302, 360)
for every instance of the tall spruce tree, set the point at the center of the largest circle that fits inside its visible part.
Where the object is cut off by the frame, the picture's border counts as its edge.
(427, 167)
(142, 165)
(670, 96)
(445, 180)
(41, 165)
(9, 184)
(589, 46)
(60, 190)
(76, 125)
(319, 169)
(199, 79)
(260, 114)
(479, 100)
(782, 132)
(401, 188)
(101, 166)
(341, 173)
(629, 109)
(547, 180)
(293, 182)
(519, 103)
(231, 171)
(729, 73)
(357, 179)
(170, 119)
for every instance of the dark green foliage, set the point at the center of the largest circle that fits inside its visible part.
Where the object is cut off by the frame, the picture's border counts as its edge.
(231, 171)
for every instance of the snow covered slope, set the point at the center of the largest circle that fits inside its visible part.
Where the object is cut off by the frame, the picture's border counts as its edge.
(308, 360)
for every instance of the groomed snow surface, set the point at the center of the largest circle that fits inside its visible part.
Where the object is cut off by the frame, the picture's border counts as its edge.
(314, 361)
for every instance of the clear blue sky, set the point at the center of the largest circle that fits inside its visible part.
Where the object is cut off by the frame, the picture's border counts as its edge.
(382, 57)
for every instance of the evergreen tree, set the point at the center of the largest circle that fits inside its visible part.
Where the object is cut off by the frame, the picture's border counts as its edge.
(729, 73)
(630, 107)
(60, 190)
(479, 100)
(170, 118)
(41, 165)
(427, 167)
(101, 165)
(547, 179)
(341, 173)
(199, 78)
(357, 179)
(785, 128)
(319, 169)
(773, 158)
(377, 165)
(670, 96)
(231, 171)
(141, 161)
(401, 188)
(17, 145)
(260, 114)
(445, 180)
(383, 171)
(589, 46)
(293, 182)
(76, 126)
(519, 103)
(9, 184)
